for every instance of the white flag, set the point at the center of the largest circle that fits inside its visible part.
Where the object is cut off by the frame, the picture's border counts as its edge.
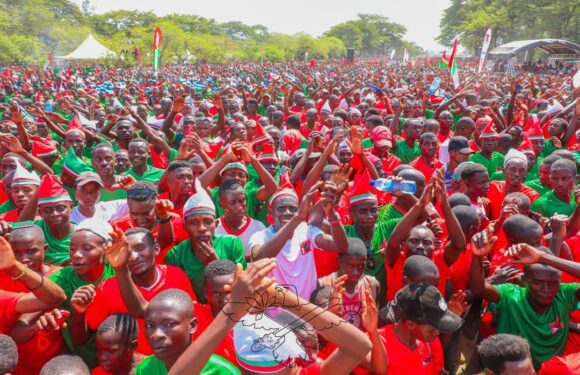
(484, 48)
(392, 54)
(406, 56)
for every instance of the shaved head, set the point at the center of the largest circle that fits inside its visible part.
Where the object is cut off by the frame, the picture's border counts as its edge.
(177, 299)
(25, 232)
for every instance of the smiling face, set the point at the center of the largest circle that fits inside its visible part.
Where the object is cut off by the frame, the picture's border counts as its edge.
(283, 210)
(142, 253)
(138, 154)
(87, 254)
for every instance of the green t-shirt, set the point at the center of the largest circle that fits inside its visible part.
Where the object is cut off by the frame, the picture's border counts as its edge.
(58, 249)
(69, 281)
(381, 233)
(546, 333)
(533, 173)
(181, 255)
(152, 174)
(405, 153)
(255, 208)
(494, 164)
(548, 148)
(252, 201)
(216, 365)
(537, 186)
(6, 206)
(112, 195)
(548, 205)
(389, 212)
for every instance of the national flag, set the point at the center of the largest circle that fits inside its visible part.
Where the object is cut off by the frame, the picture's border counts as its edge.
(374, 88)
(157, 39)
(452, 65)
(444, 61)
(138, 55)
(484, 47)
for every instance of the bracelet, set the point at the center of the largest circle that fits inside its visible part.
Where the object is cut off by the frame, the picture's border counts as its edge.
(21, 274)
(163, 221)
(40, 285)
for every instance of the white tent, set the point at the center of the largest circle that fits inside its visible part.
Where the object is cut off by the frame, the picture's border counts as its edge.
(90, 49)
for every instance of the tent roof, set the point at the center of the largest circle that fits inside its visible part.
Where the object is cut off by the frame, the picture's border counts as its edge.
(90, 49)
(551, 46)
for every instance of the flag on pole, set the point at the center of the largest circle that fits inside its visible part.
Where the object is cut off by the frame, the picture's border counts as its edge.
(392, 53)
(306, 56)
(444, 61)
(452, 65)
(137, 54)
(157, 38)
(406, 56)
(486, 42)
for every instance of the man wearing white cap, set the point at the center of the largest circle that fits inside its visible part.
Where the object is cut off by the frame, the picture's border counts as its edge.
(515, 168)
(203, 245)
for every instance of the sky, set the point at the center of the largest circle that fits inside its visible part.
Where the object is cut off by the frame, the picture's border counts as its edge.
(420, 17)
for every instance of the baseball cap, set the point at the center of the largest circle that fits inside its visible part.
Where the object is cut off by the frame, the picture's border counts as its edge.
(86, 177)
(381, 136)
(424, 304)
(460, 144)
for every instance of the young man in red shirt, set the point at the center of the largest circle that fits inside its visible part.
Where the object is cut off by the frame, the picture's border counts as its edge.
(149, 278)
(427, 163)
(383, 140)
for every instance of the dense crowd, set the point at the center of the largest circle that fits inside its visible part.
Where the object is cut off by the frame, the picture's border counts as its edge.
(297, 218)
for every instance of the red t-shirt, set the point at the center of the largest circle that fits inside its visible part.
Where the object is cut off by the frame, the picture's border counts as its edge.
(497, 194)
(424, 168)
(425, 359)
(204, 317)
(390, 163)
(108, 300)
(459, 271)
(8, 310)
(179, 234)
(395, 274)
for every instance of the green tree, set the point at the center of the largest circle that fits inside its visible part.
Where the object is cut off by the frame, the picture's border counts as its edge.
(349, 33)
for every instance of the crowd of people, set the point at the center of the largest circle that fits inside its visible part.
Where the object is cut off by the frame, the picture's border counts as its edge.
(295, 218)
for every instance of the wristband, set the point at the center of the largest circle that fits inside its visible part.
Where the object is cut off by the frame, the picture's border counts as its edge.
(163, 221)
(21, 274)
(40, 285)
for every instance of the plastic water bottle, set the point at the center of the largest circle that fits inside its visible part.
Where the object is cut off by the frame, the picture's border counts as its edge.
(48, 107)
(434, 85)
(393, 186)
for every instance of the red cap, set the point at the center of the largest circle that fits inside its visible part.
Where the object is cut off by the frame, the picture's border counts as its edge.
(381, 136)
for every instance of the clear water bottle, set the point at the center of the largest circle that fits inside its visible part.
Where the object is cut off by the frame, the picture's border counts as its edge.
(434, 85)
(393, 186)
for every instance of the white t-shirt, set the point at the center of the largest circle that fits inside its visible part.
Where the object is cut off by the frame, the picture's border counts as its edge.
(252, 226)
(296, 268)
(103, 210)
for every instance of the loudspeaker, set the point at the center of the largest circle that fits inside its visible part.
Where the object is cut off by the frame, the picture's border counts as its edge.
(350, 54)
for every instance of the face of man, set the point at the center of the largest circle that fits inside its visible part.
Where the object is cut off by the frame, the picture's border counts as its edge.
(556, 129)
(180, 180)
(21, 194)
(238, 132)
(124, 130)
(122, 163)
(446, 120)
(86, 252)
(202, 128)
(142, 254)
(28, 248)
(113, 354)
(76, 140)
(283, 210)
(364, 214)
(88, 195)
(538, 146)
(515, 173)
(489, 145)
(235, 174)
(544, 174)
(56, 215)
(353, 267)
(8, 164)
(543, 284)
(429, 147)
(478, 185)
(104, 161)
(424, 332)
(141, 213)
(42, 130)
(421, 241)
(414, 129)
(562, 181)
(200, 228)
(168, 329)
(233, 203)
(138, 154)
(216, 292)
(345, 155)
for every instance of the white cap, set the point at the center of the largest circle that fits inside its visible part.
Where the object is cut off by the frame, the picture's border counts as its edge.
(199, 203)
(98, 226)
(23, 177)
(514, 154)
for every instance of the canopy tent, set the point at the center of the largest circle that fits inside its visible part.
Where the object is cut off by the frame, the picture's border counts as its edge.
(551, 46)
(90, 49)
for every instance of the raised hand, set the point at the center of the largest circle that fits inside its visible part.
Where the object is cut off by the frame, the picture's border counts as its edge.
(370, 312)
(11, 143)
(340, 177)
(117, 250)
(457, 303)
(356, 143)
(7, 259)
(503, 275)
(523, 253)
(126, 182)
(308, 201)
(163, 208)
(329, 197)
(178, 104)
(481, 244)
(559, 223)
(335, 301)
(82, 298)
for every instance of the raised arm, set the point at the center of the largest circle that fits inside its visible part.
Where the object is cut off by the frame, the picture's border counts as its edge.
(481, 246)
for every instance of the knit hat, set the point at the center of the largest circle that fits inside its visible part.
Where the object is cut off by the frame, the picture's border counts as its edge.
(514, 154)
(264, 345)
(199, 203)
(43, 147)
(50, 191)
(361, 189)
(74, 165)
(268, 154)
(235, 165)
(489, 132)
(23, 177)
(97, 226)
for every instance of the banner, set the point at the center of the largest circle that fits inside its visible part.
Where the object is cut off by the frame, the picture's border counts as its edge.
(406, 56)
(392, 54)
(484, 48)
(157, 39)
(453, 64)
